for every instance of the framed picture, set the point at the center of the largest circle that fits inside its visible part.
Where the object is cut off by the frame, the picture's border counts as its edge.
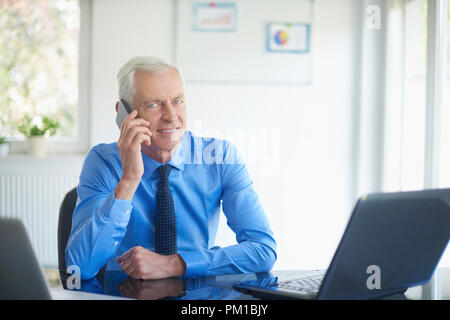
(215, 17)
(288, 37)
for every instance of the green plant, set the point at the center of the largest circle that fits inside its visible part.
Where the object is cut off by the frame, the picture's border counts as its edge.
(30, 129)
(2, 140)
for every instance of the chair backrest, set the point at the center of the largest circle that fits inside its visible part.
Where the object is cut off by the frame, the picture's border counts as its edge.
(65, 226)
(64, 229)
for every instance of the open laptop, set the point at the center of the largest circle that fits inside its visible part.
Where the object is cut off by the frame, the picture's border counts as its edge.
(21, 277)
(392, 241)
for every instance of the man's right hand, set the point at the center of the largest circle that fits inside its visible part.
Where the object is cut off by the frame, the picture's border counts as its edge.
(133, 133)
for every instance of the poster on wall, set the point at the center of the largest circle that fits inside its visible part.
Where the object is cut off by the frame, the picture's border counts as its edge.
(215, 17)
(287, 37)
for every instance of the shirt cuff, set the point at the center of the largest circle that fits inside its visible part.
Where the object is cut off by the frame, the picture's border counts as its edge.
(196, 263)
(117, 210)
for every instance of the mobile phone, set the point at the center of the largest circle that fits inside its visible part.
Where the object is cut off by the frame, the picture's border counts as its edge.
(123, 111)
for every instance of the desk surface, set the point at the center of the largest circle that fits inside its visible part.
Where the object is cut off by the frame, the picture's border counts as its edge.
(116, 283)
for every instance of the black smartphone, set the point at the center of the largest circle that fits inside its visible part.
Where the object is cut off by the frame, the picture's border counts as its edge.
(123, 111)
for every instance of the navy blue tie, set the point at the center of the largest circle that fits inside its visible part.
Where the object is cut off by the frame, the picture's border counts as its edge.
(166, 226)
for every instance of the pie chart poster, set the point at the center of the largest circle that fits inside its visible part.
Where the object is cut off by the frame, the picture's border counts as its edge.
(288, 37)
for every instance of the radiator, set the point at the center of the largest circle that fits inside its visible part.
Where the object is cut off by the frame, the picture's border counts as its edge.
(32, 190)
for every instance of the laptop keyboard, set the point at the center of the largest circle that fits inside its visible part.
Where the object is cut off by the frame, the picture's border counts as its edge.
(305, 285)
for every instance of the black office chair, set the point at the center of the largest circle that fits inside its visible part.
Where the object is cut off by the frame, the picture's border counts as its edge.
(64, 228)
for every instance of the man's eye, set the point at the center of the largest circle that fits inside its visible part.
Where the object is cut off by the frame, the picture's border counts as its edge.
(177, 101)
(152, 105)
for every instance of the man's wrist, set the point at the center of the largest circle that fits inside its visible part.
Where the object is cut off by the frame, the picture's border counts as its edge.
(178, 265)
(125, 189)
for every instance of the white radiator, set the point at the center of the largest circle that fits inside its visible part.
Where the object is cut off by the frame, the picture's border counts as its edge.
(32, 190)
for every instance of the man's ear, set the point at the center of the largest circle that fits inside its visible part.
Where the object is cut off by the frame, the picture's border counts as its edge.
(117, 106)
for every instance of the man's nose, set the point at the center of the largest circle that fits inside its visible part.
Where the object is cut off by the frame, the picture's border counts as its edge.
(169, 113)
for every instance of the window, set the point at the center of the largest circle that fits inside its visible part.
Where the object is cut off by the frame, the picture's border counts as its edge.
(417, 108)
(39, 69)
(444, 172)
(406, 85)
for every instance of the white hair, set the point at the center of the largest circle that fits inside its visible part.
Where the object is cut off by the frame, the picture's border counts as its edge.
(125, 76)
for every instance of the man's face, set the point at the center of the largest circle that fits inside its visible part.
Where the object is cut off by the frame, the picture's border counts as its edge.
(159, 99)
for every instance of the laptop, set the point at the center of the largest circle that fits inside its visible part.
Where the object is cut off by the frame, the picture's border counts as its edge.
(392, 241)
(21, 277)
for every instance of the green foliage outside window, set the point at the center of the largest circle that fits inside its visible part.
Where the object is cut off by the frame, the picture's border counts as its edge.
(38, 64)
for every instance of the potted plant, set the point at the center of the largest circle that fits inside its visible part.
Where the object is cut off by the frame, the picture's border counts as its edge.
(4, 147)
(37, 132)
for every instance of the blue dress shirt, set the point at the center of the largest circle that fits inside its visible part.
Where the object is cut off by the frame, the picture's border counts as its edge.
(207, 172)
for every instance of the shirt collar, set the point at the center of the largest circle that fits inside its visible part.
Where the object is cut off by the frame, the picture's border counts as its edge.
(177, 160)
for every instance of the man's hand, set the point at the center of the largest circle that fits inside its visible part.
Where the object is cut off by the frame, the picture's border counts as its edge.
(133, 133)
(140, 263)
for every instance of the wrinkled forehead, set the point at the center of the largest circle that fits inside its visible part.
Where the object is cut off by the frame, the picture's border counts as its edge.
(161, 85)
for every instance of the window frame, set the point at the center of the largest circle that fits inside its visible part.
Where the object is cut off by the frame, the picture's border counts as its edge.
(436, 81)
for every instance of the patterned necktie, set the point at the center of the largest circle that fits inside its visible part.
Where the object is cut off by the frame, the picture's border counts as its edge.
(166, 226)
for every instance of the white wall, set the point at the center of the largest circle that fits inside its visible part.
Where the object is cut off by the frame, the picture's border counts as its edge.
(120, 31)
(305, 179)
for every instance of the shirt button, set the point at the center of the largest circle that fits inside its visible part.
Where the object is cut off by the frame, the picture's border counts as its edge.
(116, 243)
(127, 211)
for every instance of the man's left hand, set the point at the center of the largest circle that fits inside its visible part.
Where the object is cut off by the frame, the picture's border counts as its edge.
(140, 263)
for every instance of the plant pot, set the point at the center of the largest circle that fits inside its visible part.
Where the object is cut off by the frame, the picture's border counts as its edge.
(37, 146)
(4, 149)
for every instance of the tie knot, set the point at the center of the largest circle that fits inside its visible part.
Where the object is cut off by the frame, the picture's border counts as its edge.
(164, 170)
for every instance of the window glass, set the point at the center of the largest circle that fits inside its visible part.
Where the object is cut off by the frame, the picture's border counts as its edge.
(414, 95)
(444, 148)
(39, 43)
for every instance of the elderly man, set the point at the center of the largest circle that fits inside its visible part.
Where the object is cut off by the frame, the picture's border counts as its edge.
(149, 204)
